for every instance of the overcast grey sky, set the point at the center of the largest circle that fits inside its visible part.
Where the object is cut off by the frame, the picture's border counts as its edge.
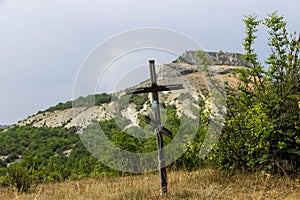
(43, 43)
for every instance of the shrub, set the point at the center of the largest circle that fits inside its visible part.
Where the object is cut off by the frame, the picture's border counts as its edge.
(18, 178)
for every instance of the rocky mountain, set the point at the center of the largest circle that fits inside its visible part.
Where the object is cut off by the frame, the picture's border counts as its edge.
(215, 58)
(184, 70)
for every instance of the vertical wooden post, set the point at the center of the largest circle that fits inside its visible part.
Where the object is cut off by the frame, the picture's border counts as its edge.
(156, 123)
(160, 144)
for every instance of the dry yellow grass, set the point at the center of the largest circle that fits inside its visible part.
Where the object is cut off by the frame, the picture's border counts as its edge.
(203, 184)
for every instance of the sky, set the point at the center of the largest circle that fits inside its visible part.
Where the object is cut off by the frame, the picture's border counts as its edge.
(43, 44)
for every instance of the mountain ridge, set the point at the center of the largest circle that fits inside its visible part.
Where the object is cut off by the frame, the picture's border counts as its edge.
(193, 57)
(184, 70)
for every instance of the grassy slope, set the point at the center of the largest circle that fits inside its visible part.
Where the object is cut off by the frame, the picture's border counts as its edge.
(204, 184)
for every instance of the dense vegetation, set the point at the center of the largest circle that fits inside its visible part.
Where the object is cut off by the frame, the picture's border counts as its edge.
(263, 124)
(35, 155)
(46, 155)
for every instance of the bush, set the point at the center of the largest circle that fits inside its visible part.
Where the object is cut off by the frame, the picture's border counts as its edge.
(18, 178)
(262, 128)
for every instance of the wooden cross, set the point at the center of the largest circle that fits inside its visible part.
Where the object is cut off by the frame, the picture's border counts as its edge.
(156, 123)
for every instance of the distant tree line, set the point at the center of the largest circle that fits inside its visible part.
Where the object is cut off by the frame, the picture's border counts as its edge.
(88, 101)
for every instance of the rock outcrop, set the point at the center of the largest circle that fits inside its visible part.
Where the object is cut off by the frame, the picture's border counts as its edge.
(214, 58)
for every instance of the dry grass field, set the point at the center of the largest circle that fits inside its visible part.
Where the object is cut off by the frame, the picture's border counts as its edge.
(204, 184)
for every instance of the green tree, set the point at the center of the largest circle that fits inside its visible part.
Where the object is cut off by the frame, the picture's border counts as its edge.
(262, 129)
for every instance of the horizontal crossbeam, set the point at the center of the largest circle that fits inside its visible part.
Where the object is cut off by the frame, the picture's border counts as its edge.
(154, 88)
(156, 125)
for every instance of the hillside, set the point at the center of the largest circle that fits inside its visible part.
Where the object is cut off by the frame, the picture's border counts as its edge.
(184, 70)
(45, 147)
